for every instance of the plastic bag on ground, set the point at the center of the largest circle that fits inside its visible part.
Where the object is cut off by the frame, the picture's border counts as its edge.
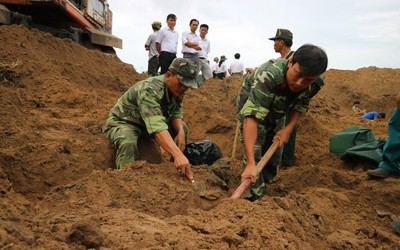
(202, 152)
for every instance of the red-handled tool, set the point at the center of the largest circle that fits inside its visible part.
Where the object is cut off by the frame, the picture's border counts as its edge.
(247, 182)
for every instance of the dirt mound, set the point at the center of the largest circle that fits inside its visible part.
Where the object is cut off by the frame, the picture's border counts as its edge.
(59, 191)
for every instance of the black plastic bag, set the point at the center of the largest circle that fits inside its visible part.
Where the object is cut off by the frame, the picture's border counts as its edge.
(202, 152)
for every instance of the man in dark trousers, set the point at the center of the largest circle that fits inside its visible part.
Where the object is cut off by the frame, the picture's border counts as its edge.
(277, 89)
(167, 43)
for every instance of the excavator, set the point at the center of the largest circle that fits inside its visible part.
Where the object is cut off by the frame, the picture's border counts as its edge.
(88, 22)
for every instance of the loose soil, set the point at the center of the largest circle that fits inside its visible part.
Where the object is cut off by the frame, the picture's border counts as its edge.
(59, 189)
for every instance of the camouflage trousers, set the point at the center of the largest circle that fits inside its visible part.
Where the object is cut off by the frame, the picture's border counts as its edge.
(265, 134)
(124, 137)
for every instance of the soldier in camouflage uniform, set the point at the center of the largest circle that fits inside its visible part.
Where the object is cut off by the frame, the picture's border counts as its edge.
(272, 91)
(283, 41)
(153, 108)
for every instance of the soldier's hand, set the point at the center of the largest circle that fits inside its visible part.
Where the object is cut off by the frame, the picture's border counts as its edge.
(282, 136)
(180, 140)
(249, 70)
(249, 172)
(182, 164)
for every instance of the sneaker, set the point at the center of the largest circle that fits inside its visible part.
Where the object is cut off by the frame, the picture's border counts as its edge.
(378, 173)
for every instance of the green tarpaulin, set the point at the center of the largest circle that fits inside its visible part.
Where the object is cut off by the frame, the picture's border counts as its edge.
(357, 142)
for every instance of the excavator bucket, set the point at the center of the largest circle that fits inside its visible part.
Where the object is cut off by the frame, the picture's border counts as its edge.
(102, 38)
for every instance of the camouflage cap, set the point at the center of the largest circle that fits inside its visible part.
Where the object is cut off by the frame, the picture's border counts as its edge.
(156, 24)
(186, 71)
(283, 34)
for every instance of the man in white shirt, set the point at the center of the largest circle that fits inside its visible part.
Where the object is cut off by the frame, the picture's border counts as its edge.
(236, 68)
(203, 55)
(167, 43)
(190, 43)
(150, 45)
(222, 68)
(214, 67)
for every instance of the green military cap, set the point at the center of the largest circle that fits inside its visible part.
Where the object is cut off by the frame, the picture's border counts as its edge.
(223, 58)
(186, 71)
(283, 34)
(156, 24)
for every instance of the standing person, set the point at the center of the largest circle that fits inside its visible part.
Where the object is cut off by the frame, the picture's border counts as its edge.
(236, 68)
(167, 43)
(281, 88)
(153, 108)
(390, 164)
(203, 55)
(151, 47)
(222, 68)
(214, 67)
(190, 43)
(283, 41)
(192, 49)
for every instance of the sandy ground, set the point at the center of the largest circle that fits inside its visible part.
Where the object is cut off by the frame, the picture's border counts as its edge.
(58, 189)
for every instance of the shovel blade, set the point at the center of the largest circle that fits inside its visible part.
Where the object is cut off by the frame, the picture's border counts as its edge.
(201, 189)
(198, 186)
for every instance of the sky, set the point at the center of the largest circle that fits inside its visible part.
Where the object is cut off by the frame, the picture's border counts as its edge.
(354, 33)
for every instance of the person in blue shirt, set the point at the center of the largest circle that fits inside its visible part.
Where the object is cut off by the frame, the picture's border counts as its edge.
(374, 115)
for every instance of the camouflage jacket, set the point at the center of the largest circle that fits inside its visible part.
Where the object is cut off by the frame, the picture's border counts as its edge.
(248, 82)
(147, 104)
(264, 96)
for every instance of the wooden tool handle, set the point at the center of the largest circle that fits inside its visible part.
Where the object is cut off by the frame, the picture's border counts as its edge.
(247, 182)
(243, 186)
(264, 160)
(235, 140)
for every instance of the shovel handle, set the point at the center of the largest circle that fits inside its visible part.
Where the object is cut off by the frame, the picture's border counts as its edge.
(243, 186)
(247, 182)
(235, 140)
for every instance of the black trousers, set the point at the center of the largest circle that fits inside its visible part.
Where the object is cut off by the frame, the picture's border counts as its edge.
(220, 75)
(165, 59)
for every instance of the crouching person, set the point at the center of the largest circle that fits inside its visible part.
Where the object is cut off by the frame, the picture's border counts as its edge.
(153, 108)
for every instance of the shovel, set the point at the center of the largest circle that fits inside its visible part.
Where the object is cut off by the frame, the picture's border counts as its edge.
(247, 182)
